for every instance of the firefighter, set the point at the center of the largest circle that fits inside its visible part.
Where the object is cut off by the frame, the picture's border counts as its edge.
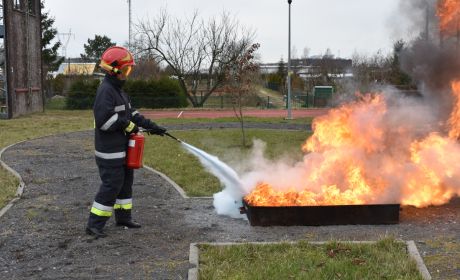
(115, 120)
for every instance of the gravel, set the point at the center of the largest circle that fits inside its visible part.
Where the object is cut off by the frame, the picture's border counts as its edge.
(42, 235)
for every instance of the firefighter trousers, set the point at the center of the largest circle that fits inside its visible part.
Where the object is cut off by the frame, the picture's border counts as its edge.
(115, 193)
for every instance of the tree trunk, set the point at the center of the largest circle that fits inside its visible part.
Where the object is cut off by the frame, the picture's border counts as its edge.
(187, 94)
(243, 132)
(206, 96)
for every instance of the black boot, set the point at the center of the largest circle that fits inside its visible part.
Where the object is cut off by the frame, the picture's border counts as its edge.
(98, 233)
(129, 224)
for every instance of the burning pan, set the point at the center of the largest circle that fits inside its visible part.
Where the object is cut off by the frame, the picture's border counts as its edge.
(321, 215)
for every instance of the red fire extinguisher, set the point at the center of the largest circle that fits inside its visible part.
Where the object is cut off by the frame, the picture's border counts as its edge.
(135, 151)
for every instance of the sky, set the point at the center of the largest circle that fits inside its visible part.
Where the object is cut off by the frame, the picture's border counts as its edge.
(343, 26)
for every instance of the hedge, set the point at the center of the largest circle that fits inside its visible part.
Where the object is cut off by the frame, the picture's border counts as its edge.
(82, 94)
(162, 93)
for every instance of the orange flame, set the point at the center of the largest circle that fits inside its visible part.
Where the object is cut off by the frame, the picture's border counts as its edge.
(356, 157)
(448, 12)
(454, 120)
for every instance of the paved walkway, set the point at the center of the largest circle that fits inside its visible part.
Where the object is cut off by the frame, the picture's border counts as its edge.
(42, 236)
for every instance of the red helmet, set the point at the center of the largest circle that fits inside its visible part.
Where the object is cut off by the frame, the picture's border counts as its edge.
(115, 58)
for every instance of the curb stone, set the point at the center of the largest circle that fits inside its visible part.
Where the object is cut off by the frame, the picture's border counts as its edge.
(414, 253)
(169, 180)
(21, 185)
(194, 254)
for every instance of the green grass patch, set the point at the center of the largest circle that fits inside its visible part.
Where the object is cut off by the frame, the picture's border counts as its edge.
(8, 186)
(56, 103)
(169, 157)
(386, 259)
(42, 124)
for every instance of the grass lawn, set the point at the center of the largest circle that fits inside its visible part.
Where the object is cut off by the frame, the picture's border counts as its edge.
(41, 124)
(387, 259)
(169, 157)
(8, 186)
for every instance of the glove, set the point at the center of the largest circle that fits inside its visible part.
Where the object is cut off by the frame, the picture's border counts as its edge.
(156, 129)
(132, 128)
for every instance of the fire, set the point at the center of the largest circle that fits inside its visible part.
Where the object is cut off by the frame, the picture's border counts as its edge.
(448, 12)
(454, 121)
(356, 156)
(361, 153)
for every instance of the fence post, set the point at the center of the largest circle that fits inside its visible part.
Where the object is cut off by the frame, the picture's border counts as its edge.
(268, 102)
(307, 99)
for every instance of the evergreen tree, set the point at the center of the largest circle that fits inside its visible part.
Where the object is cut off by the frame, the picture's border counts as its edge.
(282, 71)
(396, 75)
(96, 47)
(49, 50)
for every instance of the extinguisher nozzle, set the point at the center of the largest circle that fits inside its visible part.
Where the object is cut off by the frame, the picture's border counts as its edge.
(172, 137)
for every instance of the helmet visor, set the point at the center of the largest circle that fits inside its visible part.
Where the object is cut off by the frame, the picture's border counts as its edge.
(126, 70)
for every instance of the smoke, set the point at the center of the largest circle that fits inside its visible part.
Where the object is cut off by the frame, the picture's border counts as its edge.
(432, 58)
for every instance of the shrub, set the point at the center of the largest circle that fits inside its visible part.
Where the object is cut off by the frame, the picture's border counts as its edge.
(82, 94)
(162, 93)
(58, 84)
(274, 81)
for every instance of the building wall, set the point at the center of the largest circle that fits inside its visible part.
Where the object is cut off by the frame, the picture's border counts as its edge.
(23, 56)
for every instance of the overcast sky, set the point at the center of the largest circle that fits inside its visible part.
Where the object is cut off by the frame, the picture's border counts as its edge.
(344, 26)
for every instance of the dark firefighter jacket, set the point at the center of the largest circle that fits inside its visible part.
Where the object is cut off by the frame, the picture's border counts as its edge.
(112, 114)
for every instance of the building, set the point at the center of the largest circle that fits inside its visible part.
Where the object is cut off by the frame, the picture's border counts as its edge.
(75, 68)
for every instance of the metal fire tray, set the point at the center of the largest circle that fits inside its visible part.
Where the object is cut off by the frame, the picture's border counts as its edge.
(376, 214)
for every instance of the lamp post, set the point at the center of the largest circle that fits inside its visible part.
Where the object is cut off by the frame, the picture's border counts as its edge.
(289, 114)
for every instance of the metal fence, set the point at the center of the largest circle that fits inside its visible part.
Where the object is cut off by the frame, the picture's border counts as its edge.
(84, 101)
(298, 101)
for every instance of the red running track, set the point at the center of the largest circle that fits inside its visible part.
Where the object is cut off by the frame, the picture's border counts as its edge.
(205, 114)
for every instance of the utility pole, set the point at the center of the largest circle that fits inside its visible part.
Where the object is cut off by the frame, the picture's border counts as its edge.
(64, 38)
(427, 23)
(289, 113)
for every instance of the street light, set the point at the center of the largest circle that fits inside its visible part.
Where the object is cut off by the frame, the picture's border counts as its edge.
(289, 115)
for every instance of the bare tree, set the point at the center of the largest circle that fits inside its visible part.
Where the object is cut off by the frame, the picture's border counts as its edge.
(146, 68)
(240, 77)
(197, 51)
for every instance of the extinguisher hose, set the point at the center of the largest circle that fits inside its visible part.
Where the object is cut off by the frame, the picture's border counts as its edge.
(166, 133)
